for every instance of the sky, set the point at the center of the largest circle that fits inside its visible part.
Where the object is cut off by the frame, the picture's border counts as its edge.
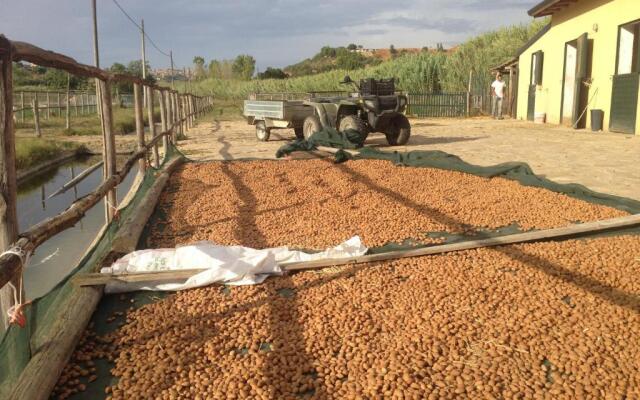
(276, 32)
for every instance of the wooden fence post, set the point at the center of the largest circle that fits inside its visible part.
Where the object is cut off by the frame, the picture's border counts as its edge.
(81, 104)
(36, 116)
(152, 126)
(469, 94)
(22, 107)
(170, 118)
(8, 186)
(138, 111)
(67, 111)
(109, 156)
(48, 106)
(164, 121)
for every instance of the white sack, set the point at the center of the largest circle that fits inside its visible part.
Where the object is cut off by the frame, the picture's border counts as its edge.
(233, 265)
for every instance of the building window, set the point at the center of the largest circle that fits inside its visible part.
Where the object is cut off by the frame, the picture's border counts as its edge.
(536, 68)
(628, 48)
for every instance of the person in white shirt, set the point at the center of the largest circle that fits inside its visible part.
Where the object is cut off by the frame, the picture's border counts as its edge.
(497, 94)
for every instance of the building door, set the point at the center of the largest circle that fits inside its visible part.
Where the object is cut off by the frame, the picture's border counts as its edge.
(534, 81)
(569, 81)
(574, 89)
(624, 95)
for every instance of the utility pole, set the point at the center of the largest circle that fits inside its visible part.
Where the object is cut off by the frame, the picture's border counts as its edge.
(170, 57)
(96, 55)
(144, 64)
(96, 59)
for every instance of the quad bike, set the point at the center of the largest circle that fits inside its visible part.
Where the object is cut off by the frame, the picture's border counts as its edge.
(374, 108)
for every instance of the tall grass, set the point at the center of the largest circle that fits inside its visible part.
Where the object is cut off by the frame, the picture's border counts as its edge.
(33, 151)
(422, 72)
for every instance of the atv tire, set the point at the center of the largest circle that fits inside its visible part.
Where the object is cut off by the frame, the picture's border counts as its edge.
(398, 131)
(310, 126)
(262, 132)
(353, 122)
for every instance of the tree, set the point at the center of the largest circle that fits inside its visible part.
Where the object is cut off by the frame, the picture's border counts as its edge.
(272, 73)
(122, 87)
(244, 66)
(350, 61)
(392, 51)
(198, 67)
(135, 68)
(328, 51)
(352, 47)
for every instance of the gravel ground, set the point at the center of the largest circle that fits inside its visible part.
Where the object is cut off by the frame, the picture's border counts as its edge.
(555, 320)
(315, 204)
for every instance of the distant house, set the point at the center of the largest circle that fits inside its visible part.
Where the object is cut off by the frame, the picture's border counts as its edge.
(586, 59)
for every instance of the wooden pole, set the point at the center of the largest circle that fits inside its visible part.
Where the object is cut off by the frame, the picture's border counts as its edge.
(469, 93)
(170, 117)
(36, 116)
(67, 110)
(152, 126)
(139, 109)
(58, 105)
(48, 114)
(22, 107)
(144, 59)
(109, 155)
(8, 186)
(171, 58)
(164, 120)
(96, 56)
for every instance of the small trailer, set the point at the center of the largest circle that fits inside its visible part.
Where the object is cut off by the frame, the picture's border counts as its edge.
(268, 114)
(375, 107)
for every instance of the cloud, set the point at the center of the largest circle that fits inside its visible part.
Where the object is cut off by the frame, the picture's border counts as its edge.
(447, 25)
(276, 32)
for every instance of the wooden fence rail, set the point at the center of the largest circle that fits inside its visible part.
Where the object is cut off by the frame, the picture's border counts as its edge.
(10, 51)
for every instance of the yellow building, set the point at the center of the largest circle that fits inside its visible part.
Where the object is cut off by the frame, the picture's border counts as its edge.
(586, 59)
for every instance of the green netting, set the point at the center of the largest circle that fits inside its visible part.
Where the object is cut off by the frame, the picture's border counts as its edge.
(517, 171)
(16, 343)
(348, 139)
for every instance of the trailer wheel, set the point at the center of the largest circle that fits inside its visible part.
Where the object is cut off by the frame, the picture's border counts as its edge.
(398, 131)
(310, 126)
(262, 132)
(299, 133)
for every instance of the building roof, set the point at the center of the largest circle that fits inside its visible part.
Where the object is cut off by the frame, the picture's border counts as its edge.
(549, 7)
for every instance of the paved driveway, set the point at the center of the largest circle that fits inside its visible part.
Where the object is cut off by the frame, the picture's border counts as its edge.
(604, 162)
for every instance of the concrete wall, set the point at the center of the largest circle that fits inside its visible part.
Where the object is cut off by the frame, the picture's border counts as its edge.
(600, 19)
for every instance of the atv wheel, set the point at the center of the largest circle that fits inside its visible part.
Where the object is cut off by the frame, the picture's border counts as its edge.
(398, 131)
(354, 123)
(310, 126)
(299, 133)
(262, 132)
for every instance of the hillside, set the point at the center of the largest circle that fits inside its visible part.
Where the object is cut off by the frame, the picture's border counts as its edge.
(350, 57)
(426, 71)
